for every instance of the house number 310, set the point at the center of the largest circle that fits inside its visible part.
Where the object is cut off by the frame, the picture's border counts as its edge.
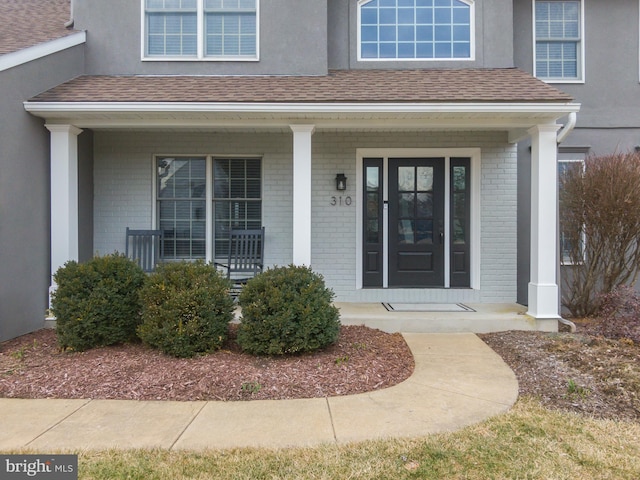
(340, 201)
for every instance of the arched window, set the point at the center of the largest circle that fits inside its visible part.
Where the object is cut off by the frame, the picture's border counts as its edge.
(415, 29)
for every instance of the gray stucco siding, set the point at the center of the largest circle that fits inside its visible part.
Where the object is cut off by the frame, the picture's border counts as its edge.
(608, 120)
(24, 191)
(124, 176)
(493, 38)
(293, 41)
(610, 92)
(124, 180)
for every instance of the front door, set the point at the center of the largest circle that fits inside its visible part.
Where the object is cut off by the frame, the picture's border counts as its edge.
(416, 222)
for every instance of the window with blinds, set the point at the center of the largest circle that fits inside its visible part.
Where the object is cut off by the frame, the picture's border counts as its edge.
(201, 29)
(237, 199)
(184, 187)
(558, 50)
(181, 199)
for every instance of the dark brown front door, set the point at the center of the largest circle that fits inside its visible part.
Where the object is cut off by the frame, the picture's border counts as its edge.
(416, 222)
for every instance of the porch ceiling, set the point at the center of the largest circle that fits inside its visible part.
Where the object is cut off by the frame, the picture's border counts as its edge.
(495, 99)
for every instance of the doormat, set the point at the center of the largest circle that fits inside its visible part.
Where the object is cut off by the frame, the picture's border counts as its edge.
(427, 307)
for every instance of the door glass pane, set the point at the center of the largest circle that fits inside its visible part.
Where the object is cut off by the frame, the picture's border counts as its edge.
(459, 218)
(424, 233)
(372, 205)
(459, 178)
(406, 202)
(372, 184)
(425, 179)
(405, 232)
(406, 179)
(373, 180)
(373, 231)
(425, 205)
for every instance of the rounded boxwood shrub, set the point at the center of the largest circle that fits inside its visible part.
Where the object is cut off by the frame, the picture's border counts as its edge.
(287, 310)
(186, 309)
(96, 303)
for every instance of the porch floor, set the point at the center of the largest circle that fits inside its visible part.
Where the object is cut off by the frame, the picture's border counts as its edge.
(485, 317)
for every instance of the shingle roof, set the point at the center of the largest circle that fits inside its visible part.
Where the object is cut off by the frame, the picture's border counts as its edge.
(507, 85)
(25, 23)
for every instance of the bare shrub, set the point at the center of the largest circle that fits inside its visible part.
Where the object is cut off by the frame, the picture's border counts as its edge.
(620, 314)
(600, 218)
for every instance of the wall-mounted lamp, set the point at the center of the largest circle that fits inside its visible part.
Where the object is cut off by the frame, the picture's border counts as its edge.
(341, 182)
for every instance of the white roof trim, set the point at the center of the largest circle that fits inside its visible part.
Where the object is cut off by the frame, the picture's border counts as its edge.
(511, 117)
(13, 59)
(42, 108)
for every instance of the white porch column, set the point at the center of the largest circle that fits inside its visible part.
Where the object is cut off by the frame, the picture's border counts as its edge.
(543, 286)
(302, 193)
(64, 196)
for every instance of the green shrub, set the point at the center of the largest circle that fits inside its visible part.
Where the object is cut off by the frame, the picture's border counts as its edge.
(96, 303)
(186, 309)
(287, 310)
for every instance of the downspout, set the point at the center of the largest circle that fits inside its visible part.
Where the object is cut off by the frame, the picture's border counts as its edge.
(567, 128)
(562, 135)
(69, 23)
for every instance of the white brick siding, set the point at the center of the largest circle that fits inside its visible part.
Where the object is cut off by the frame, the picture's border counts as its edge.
(124, 178)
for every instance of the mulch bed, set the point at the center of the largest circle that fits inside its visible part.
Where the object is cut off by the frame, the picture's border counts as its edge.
(583, 372)
(362, 360)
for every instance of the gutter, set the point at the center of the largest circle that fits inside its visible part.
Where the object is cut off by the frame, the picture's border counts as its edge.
(562, 135)
(567, 128)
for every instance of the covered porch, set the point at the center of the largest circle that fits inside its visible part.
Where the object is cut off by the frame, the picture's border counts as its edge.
(477, 114)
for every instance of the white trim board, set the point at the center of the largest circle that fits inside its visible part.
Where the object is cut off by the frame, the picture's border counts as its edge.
(14, 59)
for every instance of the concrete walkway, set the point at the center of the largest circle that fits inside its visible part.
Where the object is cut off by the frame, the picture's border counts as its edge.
(458, 380)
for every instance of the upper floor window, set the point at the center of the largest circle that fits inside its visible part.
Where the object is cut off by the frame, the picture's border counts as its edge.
(558, 35)
(201, 29)
(415, 29)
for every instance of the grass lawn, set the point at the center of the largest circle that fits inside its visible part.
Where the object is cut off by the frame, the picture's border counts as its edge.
(529, 442)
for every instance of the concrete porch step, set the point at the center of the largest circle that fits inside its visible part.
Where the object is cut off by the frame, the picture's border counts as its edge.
(484, 318)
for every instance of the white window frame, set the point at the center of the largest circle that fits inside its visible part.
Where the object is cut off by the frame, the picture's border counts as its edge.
(581, 48)
(567, 261)
(472, 46)
(209, 197)
(200, 56)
